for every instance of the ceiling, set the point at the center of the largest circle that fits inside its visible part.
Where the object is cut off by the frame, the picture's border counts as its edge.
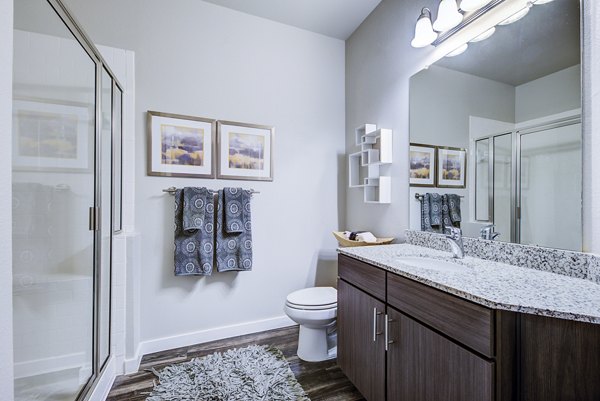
(545, 41)
(334, 18)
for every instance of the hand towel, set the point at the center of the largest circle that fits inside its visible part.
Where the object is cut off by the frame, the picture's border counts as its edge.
(193, 209)
(234, 249)
(446, 222)
(233, 216)
(454, 209)
(366, 237)
(194, 232)
(425, 215)
(435, 209)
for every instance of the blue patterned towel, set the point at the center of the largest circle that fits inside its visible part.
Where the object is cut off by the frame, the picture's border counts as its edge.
(454, 208)
(234, 217)
(425, 215)
(234, 230)
(447, 212)
(435, 209)
(194, 232)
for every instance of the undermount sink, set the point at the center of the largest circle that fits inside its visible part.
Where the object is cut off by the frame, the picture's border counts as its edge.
(431, 264)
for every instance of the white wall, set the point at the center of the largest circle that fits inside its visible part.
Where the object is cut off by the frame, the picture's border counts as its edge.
(379, 64)
(214, 62)
(6, 325)
(552, 94)
(442, 100)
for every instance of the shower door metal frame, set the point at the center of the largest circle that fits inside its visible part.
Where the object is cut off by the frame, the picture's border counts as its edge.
(88, 46)
(491, 180)
(517, 136)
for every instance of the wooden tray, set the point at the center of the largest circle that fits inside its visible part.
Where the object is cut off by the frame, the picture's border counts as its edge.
(345, 242)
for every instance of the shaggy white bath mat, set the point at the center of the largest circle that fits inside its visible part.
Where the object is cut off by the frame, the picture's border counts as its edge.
(246, 374)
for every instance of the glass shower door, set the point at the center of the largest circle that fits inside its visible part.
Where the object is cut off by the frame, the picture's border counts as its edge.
(502, 184)
(53, 163)
(550, 174)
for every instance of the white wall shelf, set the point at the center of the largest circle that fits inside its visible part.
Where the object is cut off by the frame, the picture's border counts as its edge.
(364, 166)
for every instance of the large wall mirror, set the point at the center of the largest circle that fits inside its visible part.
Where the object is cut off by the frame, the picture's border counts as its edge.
(496, 134)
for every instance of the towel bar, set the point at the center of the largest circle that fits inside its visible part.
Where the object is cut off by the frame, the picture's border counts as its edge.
(419, 196)
(171, 190)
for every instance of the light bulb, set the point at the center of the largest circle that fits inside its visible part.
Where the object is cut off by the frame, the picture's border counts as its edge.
(458, 51)
(484, 35)
(473, 5)
(448, 16)
(515, 17)
(424, 33)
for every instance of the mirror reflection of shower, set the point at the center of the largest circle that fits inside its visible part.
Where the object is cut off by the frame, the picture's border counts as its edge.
(513, 103)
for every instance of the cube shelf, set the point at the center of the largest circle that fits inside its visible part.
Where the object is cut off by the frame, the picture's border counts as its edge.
(363, 166)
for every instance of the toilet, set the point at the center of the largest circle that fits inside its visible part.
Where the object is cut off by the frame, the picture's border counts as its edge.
(315, 310)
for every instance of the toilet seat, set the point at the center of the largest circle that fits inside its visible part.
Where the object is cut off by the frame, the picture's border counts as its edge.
(316, 298)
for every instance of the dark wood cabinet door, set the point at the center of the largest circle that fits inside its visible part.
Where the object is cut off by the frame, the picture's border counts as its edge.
(560, 360)
(361, 358)
(425, 366)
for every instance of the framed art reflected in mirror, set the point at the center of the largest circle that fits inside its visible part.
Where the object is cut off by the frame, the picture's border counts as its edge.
(422, 165)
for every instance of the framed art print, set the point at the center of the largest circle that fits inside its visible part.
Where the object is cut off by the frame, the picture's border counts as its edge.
(245, 151)
(180, 146)
(452, 167)
(52, 136)
(422, 165)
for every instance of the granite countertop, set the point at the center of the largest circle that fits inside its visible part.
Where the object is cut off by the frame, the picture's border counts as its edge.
(492, 284)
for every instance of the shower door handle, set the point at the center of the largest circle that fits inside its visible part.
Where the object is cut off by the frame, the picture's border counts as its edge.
(94, 218)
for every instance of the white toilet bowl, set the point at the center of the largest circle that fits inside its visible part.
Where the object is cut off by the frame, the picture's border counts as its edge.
(315, 310)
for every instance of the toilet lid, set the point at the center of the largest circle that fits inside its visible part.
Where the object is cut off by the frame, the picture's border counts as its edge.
(316, 296)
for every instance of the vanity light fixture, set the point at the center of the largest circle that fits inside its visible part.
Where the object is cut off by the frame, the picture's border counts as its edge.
(484, 35)
(517, 16)
(448, 16)
(450, 20)
(473, 5)
(457, 51)
(424, 33)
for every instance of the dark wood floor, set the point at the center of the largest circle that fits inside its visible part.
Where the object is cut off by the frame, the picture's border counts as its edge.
(323, 381)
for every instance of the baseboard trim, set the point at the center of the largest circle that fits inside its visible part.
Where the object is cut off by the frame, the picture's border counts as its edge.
(132, 365)
(49, 365)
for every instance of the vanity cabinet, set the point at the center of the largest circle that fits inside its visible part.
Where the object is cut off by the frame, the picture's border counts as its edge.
(401, 340)
(425, 366)
(360, 353)
(417, 363)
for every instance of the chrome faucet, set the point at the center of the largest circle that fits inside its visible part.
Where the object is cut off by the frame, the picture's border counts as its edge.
(488, 233)
(454, 236)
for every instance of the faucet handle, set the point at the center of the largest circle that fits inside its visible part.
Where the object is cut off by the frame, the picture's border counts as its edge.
(453, 233)
(488, 228)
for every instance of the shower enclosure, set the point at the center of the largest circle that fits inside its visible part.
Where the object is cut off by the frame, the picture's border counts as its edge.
(528, 183)
(66, 121)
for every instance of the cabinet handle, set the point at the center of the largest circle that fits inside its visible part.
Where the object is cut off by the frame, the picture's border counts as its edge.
(375, 332)
(387, 332)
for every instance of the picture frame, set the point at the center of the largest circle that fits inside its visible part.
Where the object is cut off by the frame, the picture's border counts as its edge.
(50, 136)
(180, 145)
(245, 151)
(451, 167)
(422, 165)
